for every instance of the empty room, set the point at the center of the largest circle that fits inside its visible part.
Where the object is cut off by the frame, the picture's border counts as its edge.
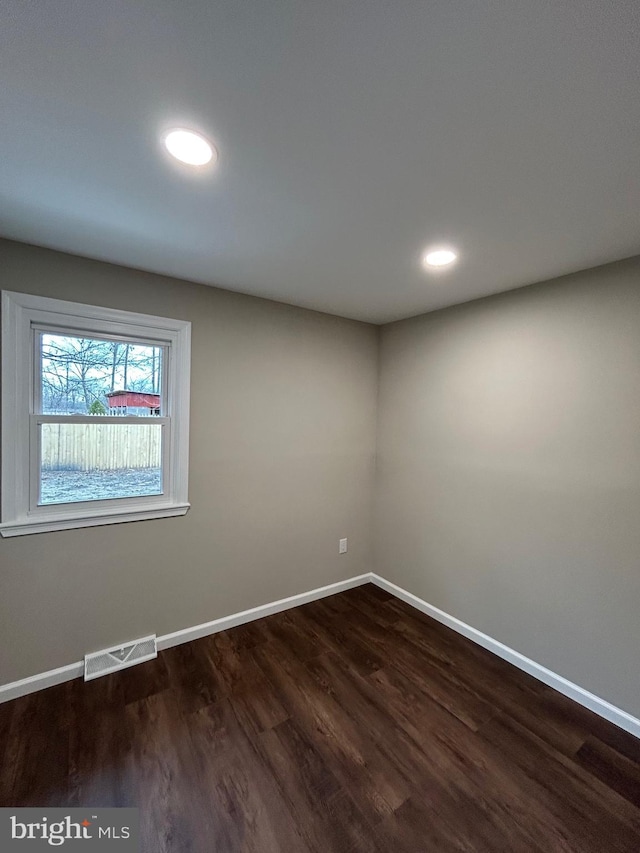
(320, 426)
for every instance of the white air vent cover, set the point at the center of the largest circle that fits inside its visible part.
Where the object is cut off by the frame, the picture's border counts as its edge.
(119, 657)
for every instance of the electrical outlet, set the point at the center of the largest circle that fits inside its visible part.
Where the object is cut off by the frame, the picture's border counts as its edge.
(342, 547)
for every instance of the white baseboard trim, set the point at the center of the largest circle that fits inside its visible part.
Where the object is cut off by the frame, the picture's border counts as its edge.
(74, 670)
(583, 697)
(40, 681)
(562, 685)
(198, 631)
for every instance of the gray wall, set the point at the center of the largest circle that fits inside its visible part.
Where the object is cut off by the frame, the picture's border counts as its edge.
(282, 465)
(509, 471)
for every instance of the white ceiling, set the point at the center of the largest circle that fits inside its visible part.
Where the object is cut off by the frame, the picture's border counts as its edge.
(351, 134)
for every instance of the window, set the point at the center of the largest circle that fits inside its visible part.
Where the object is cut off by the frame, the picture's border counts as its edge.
(95, 415)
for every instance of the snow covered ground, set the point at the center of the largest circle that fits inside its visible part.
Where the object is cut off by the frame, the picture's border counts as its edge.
(72, 486)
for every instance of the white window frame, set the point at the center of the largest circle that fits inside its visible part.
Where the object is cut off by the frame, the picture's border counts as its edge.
(22, 316)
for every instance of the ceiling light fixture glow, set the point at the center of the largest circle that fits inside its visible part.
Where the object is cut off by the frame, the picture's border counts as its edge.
(439, 257)
(189, 147)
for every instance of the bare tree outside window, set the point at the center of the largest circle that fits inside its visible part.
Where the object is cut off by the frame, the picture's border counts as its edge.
(95, 415)
(79, 372)
(80, 376)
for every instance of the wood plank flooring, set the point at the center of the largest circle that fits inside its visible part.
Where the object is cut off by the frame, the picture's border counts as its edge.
(351, 724)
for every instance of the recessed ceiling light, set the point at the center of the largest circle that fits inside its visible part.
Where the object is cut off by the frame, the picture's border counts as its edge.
(439, 257)
(189, 147)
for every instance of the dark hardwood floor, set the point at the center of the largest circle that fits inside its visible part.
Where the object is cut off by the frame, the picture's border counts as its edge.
(351, 724)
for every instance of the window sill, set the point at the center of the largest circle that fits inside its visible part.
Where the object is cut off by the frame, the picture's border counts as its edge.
(71, 522)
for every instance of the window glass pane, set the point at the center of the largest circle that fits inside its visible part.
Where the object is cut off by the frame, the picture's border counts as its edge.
(86, 376)
(97, 461)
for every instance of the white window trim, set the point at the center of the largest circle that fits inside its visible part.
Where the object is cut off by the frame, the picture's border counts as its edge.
(20, 312)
